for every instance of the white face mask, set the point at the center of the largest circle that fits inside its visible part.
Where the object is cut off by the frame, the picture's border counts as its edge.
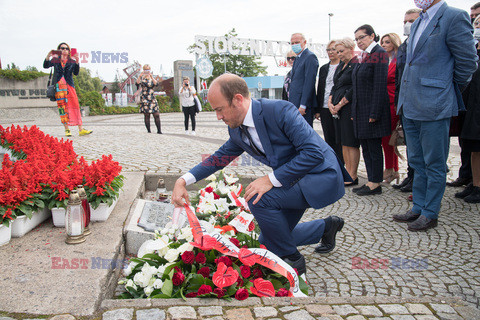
(406, 28)
(476, 34)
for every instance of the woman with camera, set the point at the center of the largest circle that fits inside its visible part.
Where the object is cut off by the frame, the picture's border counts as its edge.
(148, 103)
(187, 95)
(65, 65)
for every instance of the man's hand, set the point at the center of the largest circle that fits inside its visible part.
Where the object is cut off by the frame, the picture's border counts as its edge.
(259, 186)
(179, 193)
(302, 111)
(371, 120)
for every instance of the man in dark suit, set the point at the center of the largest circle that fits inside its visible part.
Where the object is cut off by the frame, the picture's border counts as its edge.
(441, 58)
(306, 172)
(304, 73)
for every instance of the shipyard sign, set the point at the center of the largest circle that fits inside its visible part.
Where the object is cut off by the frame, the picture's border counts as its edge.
(205, 45)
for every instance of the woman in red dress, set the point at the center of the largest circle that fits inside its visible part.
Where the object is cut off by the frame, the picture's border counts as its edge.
(65, 66)
(390, 43)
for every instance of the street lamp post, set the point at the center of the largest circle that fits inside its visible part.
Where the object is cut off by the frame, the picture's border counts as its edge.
(330, 15)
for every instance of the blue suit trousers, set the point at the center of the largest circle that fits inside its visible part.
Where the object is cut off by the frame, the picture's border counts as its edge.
(428, 146)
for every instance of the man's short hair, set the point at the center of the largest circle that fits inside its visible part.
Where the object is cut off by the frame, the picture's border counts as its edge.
(299, 33)
(411, 11)
(232, 85)
(475, 6)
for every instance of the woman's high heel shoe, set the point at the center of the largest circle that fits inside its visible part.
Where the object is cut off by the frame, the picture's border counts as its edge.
(393, 176)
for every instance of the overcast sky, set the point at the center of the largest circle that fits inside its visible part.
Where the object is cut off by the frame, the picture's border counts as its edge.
(158, 32)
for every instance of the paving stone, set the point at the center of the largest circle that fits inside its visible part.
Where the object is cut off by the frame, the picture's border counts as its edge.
(215, 318)
(319, 309)
(369, 311)
(182, 312)
(416, 308)
(345, 309)
(448, 316)
(150, 314)
(442, 308)
(356, 317)
(393, 309)
(118, 314)
(63, 317)
(380, 318)
(402, 317)
(264, 312)
(287, 309)
(330, 317)
(210, 311)
(239, 314)
(426, 317)
(298, 315)
(6, 318)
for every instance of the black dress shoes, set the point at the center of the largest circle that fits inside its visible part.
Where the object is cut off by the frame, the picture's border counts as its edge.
(473, 197)
(405, 181)
(422, 223)
(407, 187)
(459, 182)
(406, 217)
(328, 240)
(298, 264)
(369, 192)
(465, 192)
(350, 184)
(360, 188)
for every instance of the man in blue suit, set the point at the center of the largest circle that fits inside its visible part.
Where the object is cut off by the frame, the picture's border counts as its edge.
(306, 171)
(303, 75)
(441, 59)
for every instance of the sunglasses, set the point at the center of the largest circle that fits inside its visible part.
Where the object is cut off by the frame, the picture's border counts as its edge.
(63, 48)
(291, 58)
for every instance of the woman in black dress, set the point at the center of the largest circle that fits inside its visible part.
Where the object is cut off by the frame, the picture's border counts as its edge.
(340, 104)
(148, 102)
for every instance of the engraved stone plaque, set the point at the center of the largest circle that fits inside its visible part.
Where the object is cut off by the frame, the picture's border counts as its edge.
(156, 215)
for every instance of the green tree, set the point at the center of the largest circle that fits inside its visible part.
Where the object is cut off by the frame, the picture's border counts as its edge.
(31, 68)
(244, 66)
(115, 85)
(85, 82)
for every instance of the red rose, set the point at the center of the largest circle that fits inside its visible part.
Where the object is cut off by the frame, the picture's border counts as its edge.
(235, 241)
(241, 294)
(191, 295)
(225, 260)
(188, 257)
(178, 278)
(245, 271)
(219, 292)
(208, 189)
(257, 273)
(216, 196)
(240, 282)
(200, 258)
(204, 289)
(251, 226)
(177, 269)
(205, 272)
(282, 292)
(263, 247)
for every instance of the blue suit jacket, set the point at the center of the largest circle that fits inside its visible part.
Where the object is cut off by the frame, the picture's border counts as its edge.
(441, 63)
(304, 76)
(294, 151)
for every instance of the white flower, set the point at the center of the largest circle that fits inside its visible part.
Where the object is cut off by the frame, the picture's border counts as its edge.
(158, 284)
(186, 233)
(161, 270)
(230, 179)
(207, 226)
(171, 255)
(148, 291)
(131, 284)
(185, 247)
(162, 252)
(221, 205)
(129, 269)
(212, 184)
(211, 177)
(223, 188)
(212, 220)
(150, 246)
(141, 279)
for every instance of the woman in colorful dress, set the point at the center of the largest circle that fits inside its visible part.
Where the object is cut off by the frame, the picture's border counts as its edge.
(65, 66)
(148, 102)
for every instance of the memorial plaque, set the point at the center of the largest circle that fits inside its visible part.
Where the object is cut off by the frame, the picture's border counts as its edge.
(156, 215)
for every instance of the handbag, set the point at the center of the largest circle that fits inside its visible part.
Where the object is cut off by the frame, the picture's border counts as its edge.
(51, 89)
(397, 138)
(198, 105)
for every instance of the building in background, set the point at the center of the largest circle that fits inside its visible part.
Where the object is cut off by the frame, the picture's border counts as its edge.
(269, 87)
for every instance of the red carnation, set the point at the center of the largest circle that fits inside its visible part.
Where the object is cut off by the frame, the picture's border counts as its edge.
(241, 294)
(191, 295)
(251, 226)
(178, 278)
(245, 271)
(200, 258)
(219, 292)
(204, 289)
(216, 196)
(282, 292)
(208, 189)
(235, 241)
(188, 257)
(240, 282)
(225, 260)
(205, 272)
(257, 273)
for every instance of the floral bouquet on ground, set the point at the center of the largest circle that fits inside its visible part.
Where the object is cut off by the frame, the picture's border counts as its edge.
(208, 257)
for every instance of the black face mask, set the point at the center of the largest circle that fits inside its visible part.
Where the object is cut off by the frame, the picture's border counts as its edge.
(473, 19)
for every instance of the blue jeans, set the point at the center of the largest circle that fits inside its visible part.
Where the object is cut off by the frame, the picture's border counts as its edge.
(428, 146)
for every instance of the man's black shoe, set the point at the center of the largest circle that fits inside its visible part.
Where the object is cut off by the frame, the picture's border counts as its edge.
(298, 264)
(356, 189)
(405, 181)
(473, 197)
(406, 217)
(465, 192)
(422, 224)
(407, 187)
(459, 182)
(328, 239)
(369, 192)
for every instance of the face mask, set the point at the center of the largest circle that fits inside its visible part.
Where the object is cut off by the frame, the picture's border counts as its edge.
(423, 4)
(476, 34)
(406, 28)
(297, 48)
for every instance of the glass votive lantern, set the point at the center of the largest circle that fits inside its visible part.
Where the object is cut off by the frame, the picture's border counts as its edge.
(74, 219)
(86, 210)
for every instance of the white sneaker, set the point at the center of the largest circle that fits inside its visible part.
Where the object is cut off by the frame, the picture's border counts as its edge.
(193, 133)
(186, 132)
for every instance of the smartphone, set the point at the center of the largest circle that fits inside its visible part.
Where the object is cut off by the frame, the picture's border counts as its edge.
(57, 52)
(73, 51)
